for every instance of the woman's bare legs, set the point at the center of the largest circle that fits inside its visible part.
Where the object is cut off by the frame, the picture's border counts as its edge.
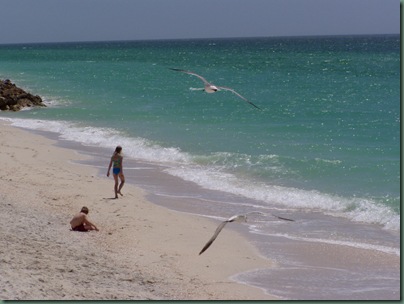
(122, 178)
(116, 185)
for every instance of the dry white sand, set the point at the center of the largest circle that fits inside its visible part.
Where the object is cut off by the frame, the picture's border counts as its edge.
(142, 251)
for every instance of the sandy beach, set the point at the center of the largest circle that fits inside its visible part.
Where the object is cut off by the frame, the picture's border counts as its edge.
(142, 251)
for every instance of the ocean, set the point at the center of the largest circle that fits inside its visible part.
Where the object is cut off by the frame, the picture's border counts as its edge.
(324, 150)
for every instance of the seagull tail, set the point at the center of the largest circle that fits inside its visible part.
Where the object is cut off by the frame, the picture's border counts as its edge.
(178, 70)
(283, 218)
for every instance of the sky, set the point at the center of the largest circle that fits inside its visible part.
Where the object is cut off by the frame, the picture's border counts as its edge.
(32, 21)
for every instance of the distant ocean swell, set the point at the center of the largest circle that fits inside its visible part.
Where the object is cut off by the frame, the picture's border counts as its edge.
(221, 171)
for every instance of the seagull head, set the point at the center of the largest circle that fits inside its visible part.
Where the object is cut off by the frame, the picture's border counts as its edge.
(238, 218)
(211, 89)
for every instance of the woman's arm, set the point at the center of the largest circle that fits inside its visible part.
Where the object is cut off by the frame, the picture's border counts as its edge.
(109, 167)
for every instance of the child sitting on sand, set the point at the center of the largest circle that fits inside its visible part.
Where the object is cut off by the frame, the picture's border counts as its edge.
(80, 221)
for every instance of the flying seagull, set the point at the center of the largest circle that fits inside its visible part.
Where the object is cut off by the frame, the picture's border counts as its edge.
(234, 218)
(210, 88)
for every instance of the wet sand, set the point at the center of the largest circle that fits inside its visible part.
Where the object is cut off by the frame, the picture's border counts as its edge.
(142, 251)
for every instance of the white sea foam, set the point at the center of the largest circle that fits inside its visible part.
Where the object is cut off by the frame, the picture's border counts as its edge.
(180, 164)
(384, 249)
(356, 209)
(138, 148)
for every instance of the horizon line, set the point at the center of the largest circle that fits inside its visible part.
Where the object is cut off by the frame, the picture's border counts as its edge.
(207, 38)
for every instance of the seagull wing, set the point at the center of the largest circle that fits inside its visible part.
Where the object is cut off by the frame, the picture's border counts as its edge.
(213, 238)
(234, 218)
(283, 218)
(192, 73)
(274, 215)
(242, 97)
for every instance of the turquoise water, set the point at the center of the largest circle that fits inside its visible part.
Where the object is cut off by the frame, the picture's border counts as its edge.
(324, 150)
(329, 125)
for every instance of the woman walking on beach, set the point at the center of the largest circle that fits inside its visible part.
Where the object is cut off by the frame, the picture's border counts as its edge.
(117, 170)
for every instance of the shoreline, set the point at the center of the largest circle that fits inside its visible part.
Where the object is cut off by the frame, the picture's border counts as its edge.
(143, 251)
(193, 208)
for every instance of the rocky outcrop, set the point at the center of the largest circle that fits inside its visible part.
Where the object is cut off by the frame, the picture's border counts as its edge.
(13, 98)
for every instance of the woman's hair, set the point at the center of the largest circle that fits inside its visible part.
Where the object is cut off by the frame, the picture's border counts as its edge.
(118, 149)
(84, 210)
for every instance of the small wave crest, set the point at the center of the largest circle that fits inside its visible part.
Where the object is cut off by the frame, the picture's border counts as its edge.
(380, 248)
(356, 209)
(138, 148)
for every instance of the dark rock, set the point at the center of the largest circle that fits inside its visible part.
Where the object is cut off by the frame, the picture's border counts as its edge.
(13, 98)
